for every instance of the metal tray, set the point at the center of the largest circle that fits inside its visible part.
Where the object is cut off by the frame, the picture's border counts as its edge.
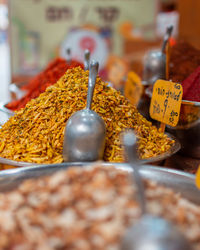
(181, 182)
(175, 148)
(5, 110)
(5, 114)
(13, 89)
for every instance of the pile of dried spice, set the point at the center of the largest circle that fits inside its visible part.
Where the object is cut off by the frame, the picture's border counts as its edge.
(184, 59)
(191, 86)
(35, 133)
(54, 70)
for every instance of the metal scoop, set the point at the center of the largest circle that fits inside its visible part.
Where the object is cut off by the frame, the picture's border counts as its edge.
(150, 232)
(155, 62)
(85, 131)
(68, 56)
(86, 59)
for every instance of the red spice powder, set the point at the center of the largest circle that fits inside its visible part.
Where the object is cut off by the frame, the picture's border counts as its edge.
(184, 59)
(50, 75)
(185, 69)
(191, 86)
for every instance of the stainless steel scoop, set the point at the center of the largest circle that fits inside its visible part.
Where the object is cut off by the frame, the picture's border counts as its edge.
(150, 232)
(85, 131)
(86, 59)
(68, 56)
(155, 62)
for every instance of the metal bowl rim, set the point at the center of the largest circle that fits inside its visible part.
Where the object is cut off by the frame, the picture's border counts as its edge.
(173, 149)
(6, 110)
(122, 166)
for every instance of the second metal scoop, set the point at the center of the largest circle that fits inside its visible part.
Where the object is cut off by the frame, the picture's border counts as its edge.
(150, 232)
(86, 59)
(85, 132)
(155, 62)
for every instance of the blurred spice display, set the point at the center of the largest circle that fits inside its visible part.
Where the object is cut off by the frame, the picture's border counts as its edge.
(87, 208)
(191, 92)
(54, 70)
(189, 114)
(35, 133)
(191, 86)
(184, 59)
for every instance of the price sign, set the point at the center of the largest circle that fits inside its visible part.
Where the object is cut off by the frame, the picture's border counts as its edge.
(133, 88)
(166, 102)
(117, 69)
(198, 178)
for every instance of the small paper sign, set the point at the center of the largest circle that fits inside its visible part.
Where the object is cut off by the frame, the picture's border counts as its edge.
(133, 88)
(198, 178)
(166, 102)
(117, 69)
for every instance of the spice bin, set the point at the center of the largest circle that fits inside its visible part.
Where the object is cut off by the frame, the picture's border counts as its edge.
(9, 164)
(92, 206)
(188, 129)
(35, 134)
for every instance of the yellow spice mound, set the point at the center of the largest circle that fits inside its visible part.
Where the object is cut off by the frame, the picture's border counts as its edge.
(35, 133)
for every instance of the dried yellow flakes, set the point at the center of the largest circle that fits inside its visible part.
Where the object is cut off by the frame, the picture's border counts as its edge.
(35, 133)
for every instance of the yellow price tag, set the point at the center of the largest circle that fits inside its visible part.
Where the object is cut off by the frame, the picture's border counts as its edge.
(198, 178)
(117, 68)
(166, 102)
(133, 88)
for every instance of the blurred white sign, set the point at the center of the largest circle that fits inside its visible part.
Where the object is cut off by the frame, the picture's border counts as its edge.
(165, 19)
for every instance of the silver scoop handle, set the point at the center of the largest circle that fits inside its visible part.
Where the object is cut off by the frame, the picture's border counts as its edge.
(86, 59)
(94, 66)
(129, 141)
(68, 55)
(166, 37)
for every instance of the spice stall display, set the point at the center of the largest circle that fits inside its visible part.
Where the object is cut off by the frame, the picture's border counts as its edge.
(54, 70)
(87, 208)
(35, 133)
(191, 86)
(185, 68)
(190, 111)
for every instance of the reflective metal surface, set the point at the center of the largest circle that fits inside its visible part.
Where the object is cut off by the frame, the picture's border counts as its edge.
(85, 131)
(154, 67)
(177, 180)
(86, 59)
(159, 232)
(154, 233)
(155, 62)
(15, 91)
(129, 141)
(188, 129)
(5, 110)
(16, 163)
(174, 148)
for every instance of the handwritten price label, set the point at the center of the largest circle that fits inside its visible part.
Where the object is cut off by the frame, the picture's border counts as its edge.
(133, 88)
(198, 178)
(166, 102)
